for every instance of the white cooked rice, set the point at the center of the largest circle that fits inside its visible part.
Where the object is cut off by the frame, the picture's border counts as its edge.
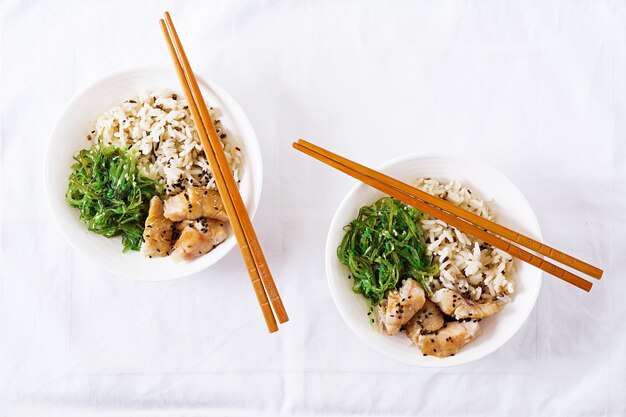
(466, 264)
(158, 126)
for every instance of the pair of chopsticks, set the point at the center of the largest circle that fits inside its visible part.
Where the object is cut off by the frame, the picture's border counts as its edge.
(463, 220)
(254, 259)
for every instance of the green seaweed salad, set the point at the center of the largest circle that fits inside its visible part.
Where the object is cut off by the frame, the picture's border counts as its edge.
(384, 245)
(111, 194)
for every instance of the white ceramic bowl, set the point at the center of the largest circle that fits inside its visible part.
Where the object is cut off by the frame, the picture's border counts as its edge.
(69, 136)
(511, 209)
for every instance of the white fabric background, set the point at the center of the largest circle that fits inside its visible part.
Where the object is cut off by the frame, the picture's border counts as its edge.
(536, 88)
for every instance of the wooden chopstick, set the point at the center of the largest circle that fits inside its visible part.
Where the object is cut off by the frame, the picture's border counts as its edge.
(229, 194)
(381, 182)
(266, 309)
(216, 145)
(486, 224)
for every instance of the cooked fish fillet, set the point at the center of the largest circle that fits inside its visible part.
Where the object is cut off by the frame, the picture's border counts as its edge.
(427, 319)
(454, 304)
(194, 203)
(400, 306)
(379, 316)
(473, 310)
(198, 237)
(449, 339)
(157, 234)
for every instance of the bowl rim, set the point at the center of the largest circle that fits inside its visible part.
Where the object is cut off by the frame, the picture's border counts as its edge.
(205, 84)
(330, 252)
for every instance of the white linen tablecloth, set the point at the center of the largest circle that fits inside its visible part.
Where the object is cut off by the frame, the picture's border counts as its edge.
(537, 89)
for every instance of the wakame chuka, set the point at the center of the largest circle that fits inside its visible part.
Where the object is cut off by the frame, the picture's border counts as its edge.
(112, 195)
(384, 245)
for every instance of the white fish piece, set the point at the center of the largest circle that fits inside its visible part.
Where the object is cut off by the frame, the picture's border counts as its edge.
(194, 203)
(427, 319)
(400, 306)
(198, 237)
(449, 339)
(454, 304)
(379, 316)
(157, 234)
